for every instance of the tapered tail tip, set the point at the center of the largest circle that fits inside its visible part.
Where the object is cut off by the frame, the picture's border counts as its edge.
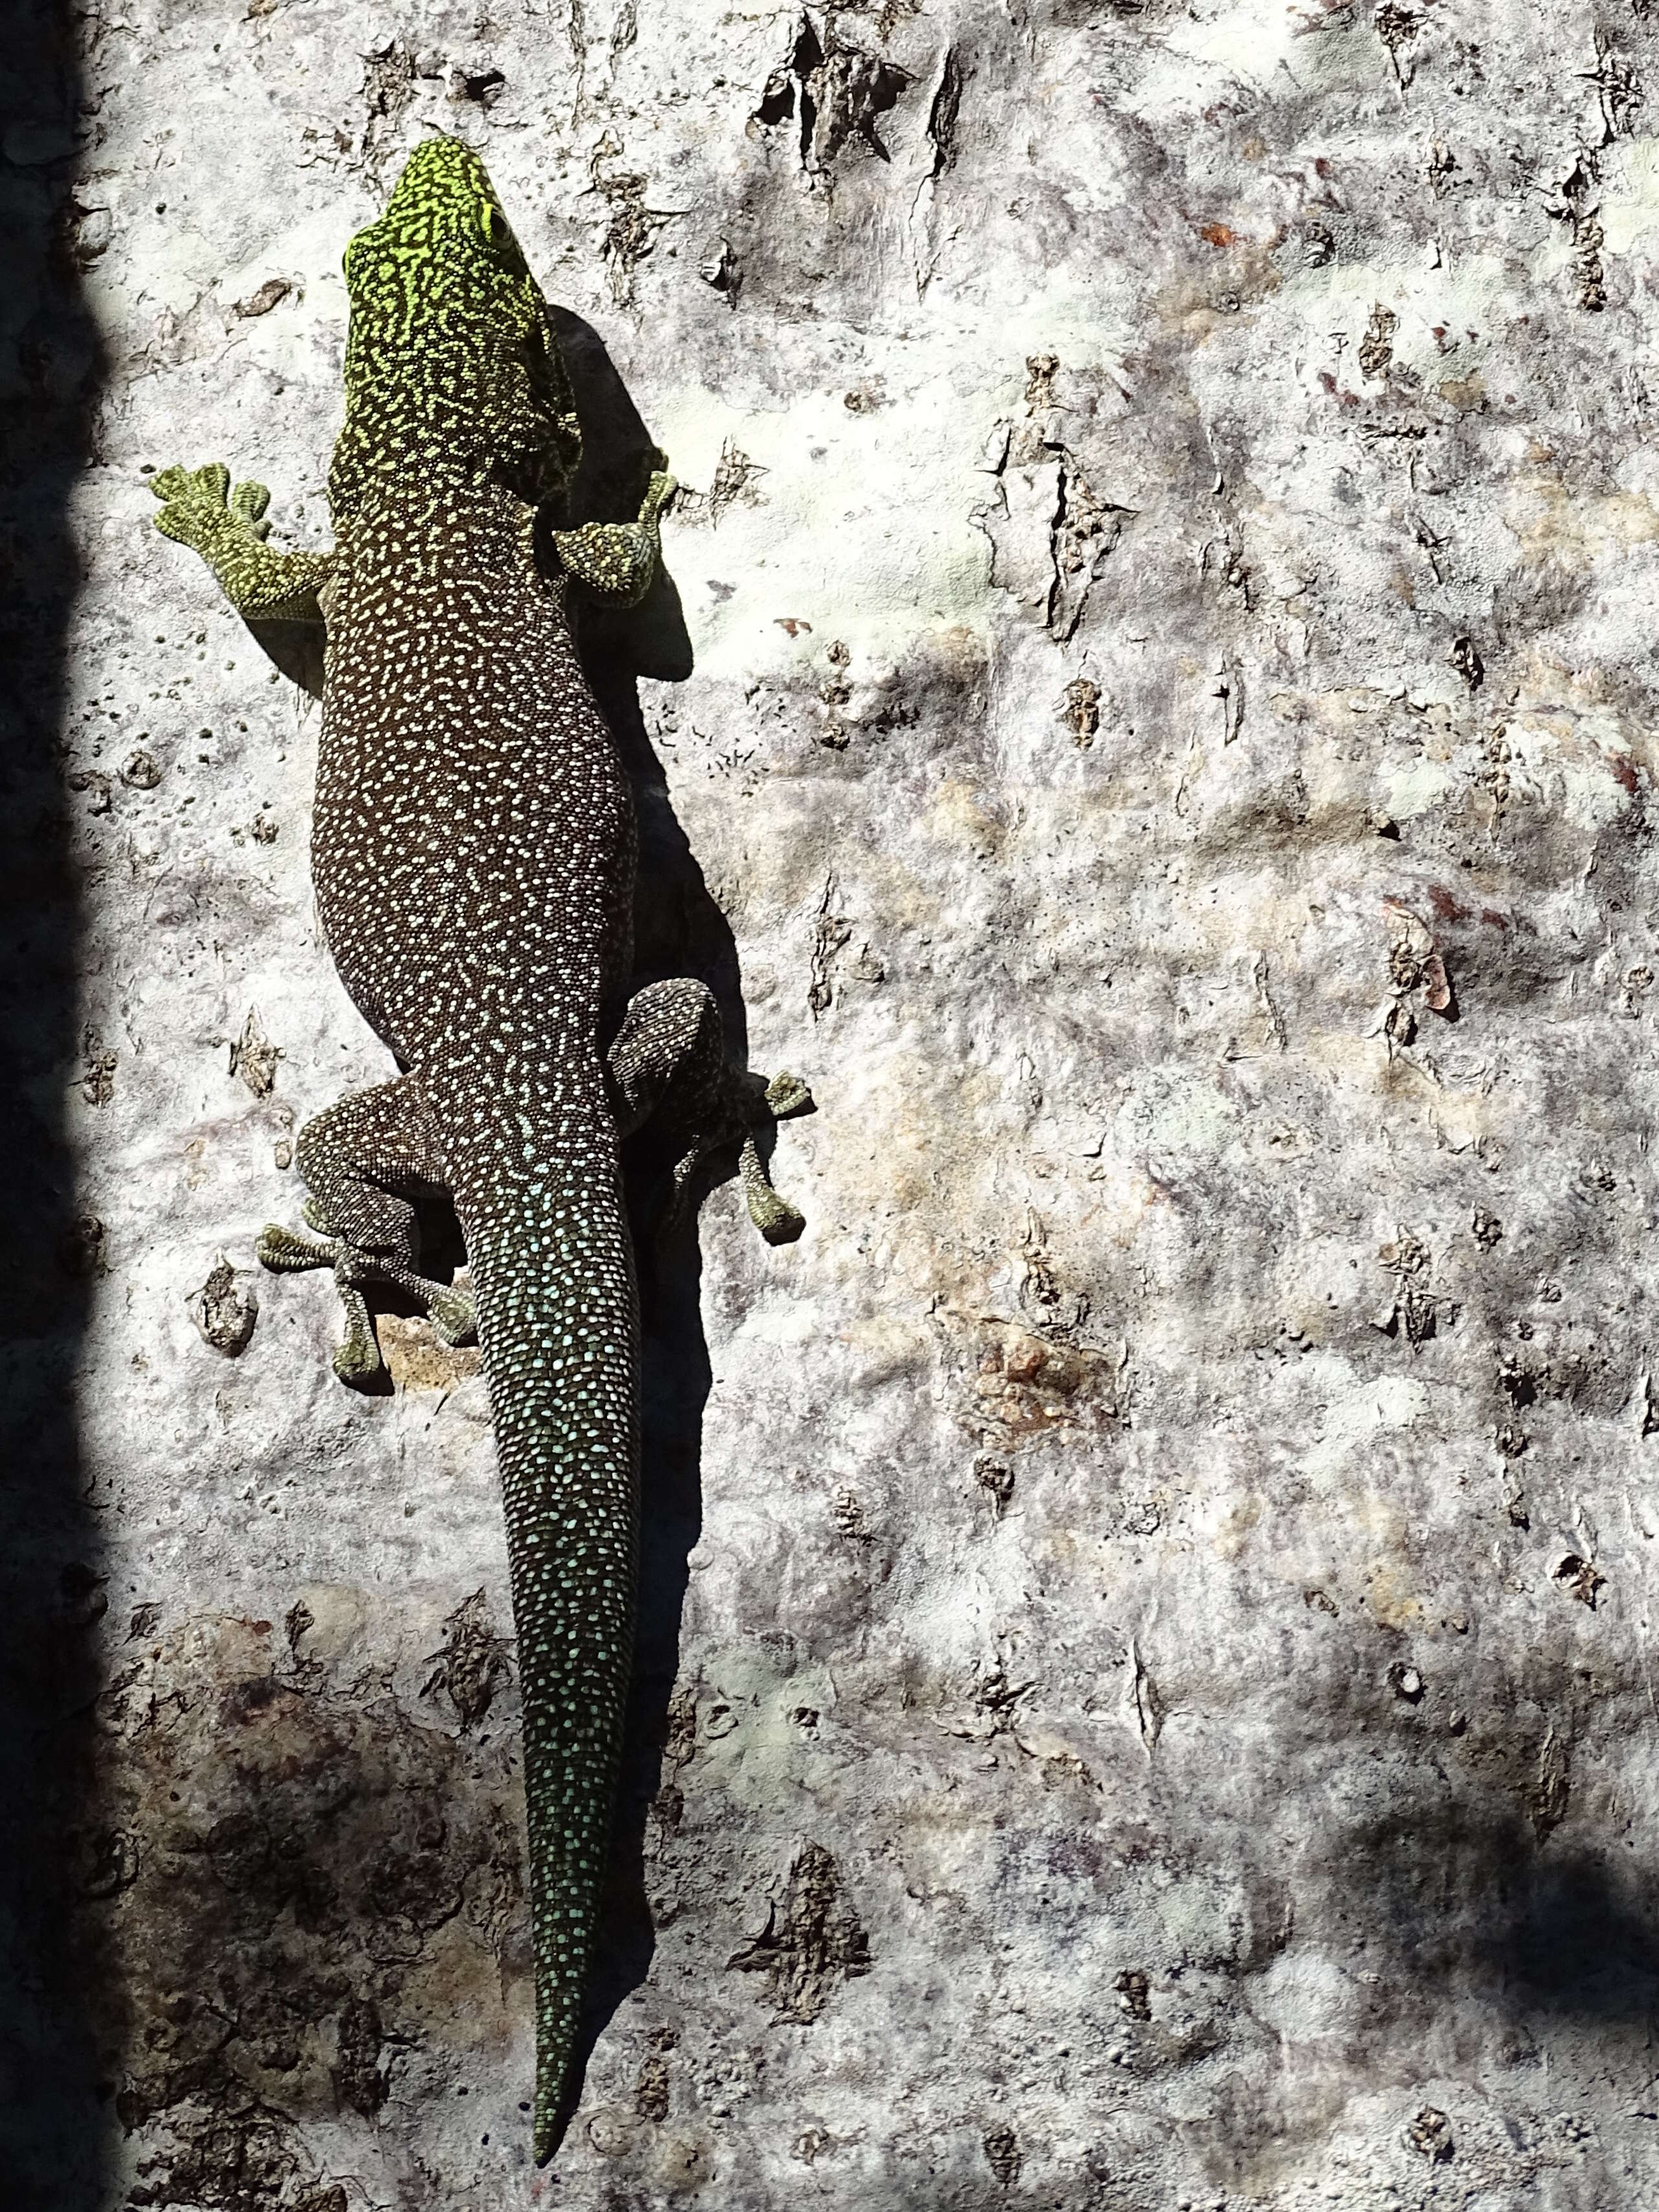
(551, 2117)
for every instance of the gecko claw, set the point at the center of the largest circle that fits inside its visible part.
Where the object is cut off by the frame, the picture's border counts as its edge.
(357, 1361)
(453, 1309)
(777, 1220)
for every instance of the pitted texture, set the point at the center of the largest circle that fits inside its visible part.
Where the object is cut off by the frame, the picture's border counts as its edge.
(473, 855)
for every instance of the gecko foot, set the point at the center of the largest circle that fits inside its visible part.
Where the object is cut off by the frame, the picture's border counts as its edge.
(617, 561)
(357, 1361)
(668, 1059)
(786, 1095)
(754, 1105)
(286, 1251)
(228, 528)
(198, 506)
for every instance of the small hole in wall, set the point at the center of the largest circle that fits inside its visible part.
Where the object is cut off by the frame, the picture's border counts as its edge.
(777, 102)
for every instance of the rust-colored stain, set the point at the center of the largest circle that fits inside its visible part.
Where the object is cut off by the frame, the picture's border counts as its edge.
(1217, 233)
(1027, 1383)
(1447, 905)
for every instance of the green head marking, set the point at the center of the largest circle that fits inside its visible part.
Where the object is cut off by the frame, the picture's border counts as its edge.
(452, 364)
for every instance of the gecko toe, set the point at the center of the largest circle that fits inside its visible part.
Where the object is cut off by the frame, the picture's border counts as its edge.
(357, 1361)
(786, 1095)
(286, 1251)
(778, 1222)
(454, 1317)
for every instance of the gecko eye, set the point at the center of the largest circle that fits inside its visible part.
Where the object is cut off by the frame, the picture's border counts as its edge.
(498, 234)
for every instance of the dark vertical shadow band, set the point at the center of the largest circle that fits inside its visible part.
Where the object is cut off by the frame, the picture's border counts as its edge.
(55, 2114)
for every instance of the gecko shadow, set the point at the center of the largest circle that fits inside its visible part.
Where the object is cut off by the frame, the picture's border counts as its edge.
(679, 930)
(1471, 1897)
(54, 2124)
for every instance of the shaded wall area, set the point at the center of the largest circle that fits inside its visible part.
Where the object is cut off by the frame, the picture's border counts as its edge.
(52, 2105)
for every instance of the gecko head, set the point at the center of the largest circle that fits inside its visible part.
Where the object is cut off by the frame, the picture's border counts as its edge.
(452, 356)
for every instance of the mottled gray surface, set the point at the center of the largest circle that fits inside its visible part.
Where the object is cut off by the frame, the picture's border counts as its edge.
(1162, 1712)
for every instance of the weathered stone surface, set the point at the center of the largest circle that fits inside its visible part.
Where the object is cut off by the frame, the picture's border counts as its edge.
(1145, 1696)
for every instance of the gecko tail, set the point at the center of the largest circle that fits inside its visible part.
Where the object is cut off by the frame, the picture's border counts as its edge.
(547, 1239)
(557, 2017)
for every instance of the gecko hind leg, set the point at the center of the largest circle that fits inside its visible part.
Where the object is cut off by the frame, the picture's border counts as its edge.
(365, 1160)
(668, 1064)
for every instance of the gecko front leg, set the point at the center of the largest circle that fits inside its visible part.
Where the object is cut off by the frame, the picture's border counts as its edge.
(227, 529)
(617, 560)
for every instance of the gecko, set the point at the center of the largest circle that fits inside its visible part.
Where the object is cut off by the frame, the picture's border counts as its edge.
(473, 858)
